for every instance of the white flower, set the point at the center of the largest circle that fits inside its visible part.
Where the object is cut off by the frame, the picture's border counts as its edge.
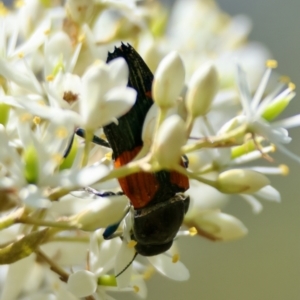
(104, 95)
(255, 108)
(53, 79)
(80, 10)
(98, 280)
(59, 53)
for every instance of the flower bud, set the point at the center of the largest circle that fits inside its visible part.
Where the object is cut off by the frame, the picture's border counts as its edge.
(233, 124)
(170, 138)
(101, 213)
(218, 226)
(202, 90)
(168, 81)
(241, 181)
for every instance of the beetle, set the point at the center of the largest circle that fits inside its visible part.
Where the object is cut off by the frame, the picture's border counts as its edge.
(158, 202)
(157, 198)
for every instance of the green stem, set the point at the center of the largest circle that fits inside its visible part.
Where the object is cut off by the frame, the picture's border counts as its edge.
(191, 175)
(39, 222)
(10, 219)
(64, 276)
(162, 113)
(130, 168)
(189, 124)
(73, 239)
(228, 139)
(123, 171)
(58, 193)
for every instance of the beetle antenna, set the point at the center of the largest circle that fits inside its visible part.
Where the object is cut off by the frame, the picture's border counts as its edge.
(135, 255)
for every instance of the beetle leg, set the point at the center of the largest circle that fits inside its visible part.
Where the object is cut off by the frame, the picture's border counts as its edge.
(185, 161)
(104, 194)
(67, 151)
(110, 231)
(96, 140)
(81, 132)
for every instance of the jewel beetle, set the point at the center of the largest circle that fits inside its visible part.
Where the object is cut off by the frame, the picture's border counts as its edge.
(157, 198)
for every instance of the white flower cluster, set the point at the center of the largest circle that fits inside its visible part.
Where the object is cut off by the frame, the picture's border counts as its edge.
(215, 102)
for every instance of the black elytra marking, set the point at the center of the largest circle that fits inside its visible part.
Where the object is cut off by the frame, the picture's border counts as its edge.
(128, 133)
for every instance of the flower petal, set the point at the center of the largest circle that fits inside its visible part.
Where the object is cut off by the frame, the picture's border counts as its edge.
(82, 283)
(254, 203)
(269, 193)
(163, 264)
(124, 257)
(118, 71)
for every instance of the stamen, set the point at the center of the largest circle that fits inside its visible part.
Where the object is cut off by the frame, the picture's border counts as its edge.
(81, 38)
(36, 120)
(251, 156)
(271, 63)
(61, 132)
(264, 155)
(47, 32)
(148, 273)
(292, 86)
(175, 258)
(25, 117)
(284, 79)
(261, 88)
(41, 102)
(49, 77)
(285, 169)
(136, 288)
(131, 244)
(193, 231)
(18, 3)
(58, 158)
(3, 9)
(97, 62)
(20, 54)
(108, 155)
(270, 170)
(70, 97)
